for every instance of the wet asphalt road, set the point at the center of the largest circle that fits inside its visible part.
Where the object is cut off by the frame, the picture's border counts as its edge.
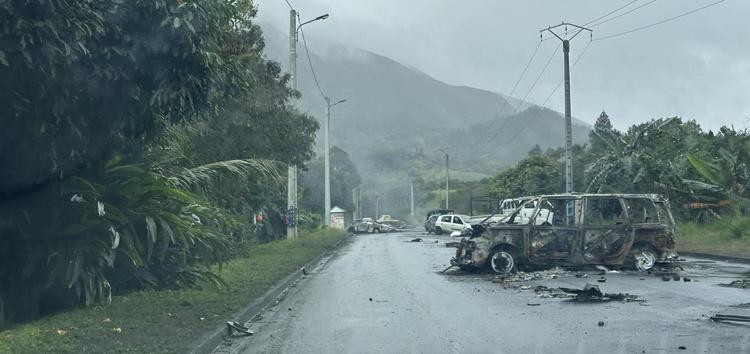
(382, 294)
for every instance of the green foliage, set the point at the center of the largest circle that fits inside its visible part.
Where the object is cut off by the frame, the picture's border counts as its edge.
(534, 175)
(139, 140)
(344, 177)
(703, 174)
(158, 321)
(84, 80)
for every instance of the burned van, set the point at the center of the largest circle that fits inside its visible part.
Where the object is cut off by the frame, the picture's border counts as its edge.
(618, 230)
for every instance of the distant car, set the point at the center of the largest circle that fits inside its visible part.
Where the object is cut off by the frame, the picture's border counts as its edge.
(432, 215)
(450, 223)
(368, 225)
(429, 224)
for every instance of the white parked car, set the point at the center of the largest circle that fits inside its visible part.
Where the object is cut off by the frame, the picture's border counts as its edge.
(509, 206)
(450, 223)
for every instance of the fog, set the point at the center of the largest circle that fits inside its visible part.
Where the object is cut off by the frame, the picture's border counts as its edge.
(696, 67)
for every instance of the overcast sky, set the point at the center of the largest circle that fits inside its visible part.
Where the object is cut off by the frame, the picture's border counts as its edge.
(696, 67)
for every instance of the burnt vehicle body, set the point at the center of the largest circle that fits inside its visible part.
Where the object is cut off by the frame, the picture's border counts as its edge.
(368, 225)
(633, 230)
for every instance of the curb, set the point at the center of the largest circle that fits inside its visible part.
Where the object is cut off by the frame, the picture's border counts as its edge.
(207, 343)
(716, 257)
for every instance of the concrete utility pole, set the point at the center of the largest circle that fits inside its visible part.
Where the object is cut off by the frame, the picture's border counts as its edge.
(568, 120)
(326, 128)
(354, 203)
(291, 201)
(411, 193)
(447, 177)
(359, 202)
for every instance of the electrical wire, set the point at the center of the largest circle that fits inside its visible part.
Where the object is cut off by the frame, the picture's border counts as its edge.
(609, 13)
(540, 107)
(512, 91)
(605, 15)
(624, 13)
(659, 22)
(309, 61)
(290, 5)
(546, 65)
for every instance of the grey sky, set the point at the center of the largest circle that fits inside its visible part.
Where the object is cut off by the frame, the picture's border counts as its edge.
(697, 67)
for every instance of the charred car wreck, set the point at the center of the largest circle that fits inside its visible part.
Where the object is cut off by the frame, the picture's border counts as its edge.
(573, 230)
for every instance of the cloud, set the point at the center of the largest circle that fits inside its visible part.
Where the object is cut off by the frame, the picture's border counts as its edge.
(694, 67)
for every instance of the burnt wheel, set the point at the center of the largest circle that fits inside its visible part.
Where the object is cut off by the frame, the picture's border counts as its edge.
(438, 231)
(642, 258)
(503, 261)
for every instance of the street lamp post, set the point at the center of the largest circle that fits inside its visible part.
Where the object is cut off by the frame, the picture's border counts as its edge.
(447, 177)
(327, 214)
(291, 230)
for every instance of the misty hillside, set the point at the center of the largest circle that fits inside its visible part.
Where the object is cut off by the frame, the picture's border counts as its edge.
(394, 109)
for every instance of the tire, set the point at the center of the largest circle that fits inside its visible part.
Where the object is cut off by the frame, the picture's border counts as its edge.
(438, 231)
(642, 258)
(503, 261)
(376, 230)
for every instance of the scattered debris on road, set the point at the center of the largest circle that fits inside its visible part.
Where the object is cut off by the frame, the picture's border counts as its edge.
(446, 269)
(553, 273)
(415, 240)
(730, 318)
(544, 292)
(452, 244)
(741, 284)
(592, 293)
(238, 329)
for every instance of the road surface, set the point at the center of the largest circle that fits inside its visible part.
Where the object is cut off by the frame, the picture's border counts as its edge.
(383, 294)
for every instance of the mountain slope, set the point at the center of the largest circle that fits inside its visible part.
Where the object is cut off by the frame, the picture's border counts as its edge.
(394, 111)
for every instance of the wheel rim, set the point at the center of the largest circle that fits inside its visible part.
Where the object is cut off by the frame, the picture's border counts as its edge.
(502, 262)
(644, 260)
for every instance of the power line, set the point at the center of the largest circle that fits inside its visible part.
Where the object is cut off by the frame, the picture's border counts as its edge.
(624, 13)
(512, 91)
(290, 5)
(660, 22)
(605, 15)
(540, 107)
(309, 61)
(609, 13)
(546, 65)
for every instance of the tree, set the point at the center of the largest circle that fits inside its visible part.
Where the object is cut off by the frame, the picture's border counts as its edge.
(124, 153)
(344, 177)
(85, 80)
(536, 150)
(532, 176)
(602, 130)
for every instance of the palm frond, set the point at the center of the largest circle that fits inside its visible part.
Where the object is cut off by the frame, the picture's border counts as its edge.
(212, 172)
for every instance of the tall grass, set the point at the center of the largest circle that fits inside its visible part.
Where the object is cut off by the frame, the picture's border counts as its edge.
(726, 236)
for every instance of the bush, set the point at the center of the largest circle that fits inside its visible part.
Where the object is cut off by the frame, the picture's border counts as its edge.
(117, 228)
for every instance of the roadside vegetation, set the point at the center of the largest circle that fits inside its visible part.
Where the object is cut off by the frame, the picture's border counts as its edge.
(168, 320)
(704, 174)
(725, 237)
(144, 146)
